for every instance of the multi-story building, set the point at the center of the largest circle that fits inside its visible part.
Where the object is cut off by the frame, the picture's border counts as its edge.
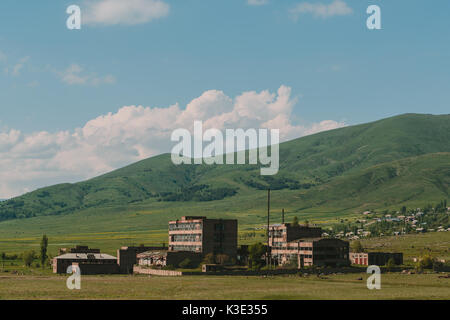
(304, 246)
(202, 235)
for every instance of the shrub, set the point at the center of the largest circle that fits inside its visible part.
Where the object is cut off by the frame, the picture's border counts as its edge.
(255, 256)
(222, 259)
(426, 262)
(209, 259)
(186, 263)
(28, 257)
(357, 246)
(390, 264)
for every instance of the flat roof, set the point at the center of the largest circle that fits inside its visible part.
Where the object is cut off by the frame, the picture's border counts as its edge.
(86, 256)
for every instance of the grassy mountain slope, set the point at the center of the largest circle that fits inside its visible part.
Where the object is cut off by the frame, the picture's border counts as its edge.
(380, 164)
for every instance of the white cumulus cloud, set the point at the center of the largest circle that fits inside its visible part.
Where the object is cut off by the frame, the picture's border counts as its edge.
(75, 75)
(129, 12)
(133, 133)
(257, 2)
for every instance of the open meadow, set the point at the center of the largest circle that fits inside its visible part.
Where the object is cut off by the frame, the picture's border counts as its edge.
(341, 286)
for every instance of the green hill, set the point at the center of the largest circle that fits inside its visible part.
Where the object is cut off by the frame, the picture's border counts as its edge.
(396, 161)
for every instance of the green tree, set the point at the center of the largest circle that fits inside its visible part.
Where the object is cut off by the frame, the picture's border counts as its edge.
(403, 210)
(222, 259)
(426, 262)
(357, 246)
(28, 257)
(44, 245)
(209, 259)
(186, 263)
(3, 256)
(255, 256)
(390, 264)
(295, 222)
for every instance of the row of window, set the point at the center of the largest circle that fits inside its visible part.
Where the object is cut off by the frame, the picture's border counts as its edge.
(186, 238)
(185, 248)
(185, 226)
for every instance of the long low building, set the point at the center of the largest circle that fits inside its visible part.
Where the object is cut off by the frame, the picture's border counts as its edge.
(167, 258)
(375, 258)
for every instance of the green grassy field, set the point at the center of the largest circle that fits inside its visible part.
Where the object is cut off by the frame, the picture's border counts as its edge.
(393, 286)
(19, 282)
(436, 244)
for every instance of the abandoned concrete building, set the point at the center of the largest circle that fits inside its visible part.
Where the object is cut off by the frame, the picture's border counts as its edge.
(167, 258)
(375, 258)
(89, 263)
(202, 235)
(127, 256)
(193, 238)
(304, 246)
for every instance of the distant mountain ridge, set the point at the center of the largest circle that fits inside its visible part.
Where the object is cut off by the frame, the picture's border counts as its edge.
(383, 163)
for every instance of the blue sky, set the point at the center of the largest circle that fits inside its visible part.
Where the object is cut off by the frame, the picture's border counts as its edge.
(56, 80)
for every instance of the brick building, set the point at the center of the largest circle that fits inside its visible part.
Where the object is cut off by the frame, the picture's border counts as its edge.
(304, 246)
(375, 258)
(202, 235)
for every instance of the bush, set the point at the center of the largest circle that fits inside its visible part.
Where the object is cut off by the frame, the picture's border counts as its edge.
(169, 267)
(186, 263)
(437, 265)
(255, 256)
(28, 257)
(209, 259)
(390, 264)
(426, 262)
(357, 246)
(222, 259)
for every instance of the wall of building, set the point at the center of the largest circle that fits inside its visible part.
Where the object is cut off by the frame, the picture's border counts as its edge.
(199, 234)
(90, 269)
(105, 266)
(156, 272)
(331, 252)
(126, 257)
(220, 237)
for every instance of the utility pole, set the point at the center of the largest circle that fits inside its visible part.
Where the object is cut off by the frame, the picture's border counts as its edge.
(268, 224)
(282, 216)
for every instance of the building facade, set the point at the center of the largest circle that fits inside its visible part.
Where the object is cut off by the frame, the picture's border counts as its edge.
(127, 256)
(204, 236)
(304, 246)
(167, 258)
